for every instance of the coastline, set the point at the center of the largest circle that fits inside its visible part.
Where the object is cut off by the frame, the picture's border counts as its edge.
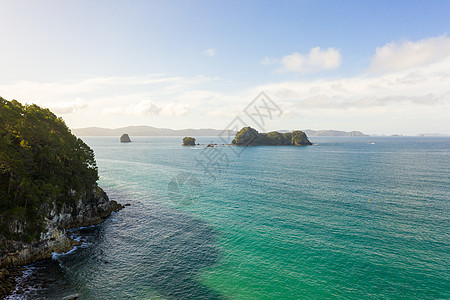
(8, 279)
(23, 281)
(57, 237)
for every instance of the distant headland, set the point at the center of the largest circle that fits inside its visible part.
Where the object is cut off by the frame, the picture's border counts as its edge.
(154, 131)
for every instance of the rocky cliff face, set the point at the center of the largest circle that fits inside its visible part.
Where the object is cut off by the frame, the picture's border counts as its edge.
(90, 209)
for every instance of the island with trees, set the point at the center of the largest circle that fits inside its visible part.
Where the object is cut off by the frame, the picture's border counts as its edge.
(249, 136)
(48, 183)
(188, 141)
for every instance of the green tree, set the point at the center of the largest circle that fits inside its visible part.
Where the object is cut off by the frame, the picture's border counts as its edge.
(188, 141)
(248, 136)
(41, 161)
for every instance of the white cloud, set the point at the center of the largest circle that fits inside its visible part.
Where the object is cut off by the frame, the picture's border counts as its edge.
(315, 60)
(416, 99)
(429, 86)
(58, 91)
(267, 61)
(230, 112)
(149, 108)
(401, 56)
(174, 110)
(209, 52)
(67, 107)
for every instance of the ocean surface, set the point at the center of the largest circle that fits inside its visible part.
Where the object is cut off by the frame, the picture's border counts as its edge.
(348, 218)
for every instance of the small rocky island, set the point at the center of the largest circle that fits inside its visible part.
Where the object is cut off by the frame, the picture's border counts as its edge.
(125, 138)
(48, 183)
(249, 136)
(188, 141)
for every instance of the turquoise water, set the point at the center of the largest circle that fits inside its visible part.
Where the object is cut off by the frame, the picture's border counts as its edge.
(275, 222)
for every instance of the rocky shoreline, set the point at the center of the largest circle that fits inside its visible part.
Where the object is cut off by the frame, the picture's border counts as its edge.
(8, 279)
(91, 209)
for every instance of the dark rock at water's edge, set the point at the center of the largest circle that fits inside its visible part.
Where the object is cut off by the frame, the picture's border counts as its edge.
(8, 280)
(90, 209)
(125, 138)
(248, 136)
(72, 297)
(188, 141)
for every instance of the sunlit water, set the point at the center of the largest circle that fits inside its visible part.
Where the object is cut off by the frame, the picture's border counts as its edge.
(352, 218)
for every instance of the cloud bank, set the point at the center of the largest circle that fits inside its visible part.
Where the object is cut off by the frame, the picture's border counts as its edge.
(407, 54)
(316, 60)
(406, 82)
(149, 108)
(68, 107)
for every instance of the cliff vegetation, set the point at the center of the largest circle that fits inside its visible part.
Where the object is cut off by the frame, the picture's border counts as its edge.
(249, 136)
(188, 141)
(44, 169)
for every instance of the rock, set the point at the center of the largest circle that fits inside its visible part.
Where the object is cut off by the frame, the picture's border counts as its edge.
(72, 297)
(90, 209)
(8, 280)
(128, 204)
(188, 141)
(125, 138)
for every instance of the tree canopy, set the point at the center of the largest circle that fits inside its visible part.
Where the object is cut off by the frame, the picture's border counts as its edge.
(188, 141)
(40, 161)
(249, 136)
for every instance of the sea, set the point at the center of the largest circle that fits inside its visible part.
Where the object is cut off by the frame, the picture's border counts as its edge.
(345, 218)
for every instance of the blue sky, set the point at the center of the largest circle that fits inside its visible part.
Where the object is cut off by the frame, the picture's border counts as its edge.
(376, 66)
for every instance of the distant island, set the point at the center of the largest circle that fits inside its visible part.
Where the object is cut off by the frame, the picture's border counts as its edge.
(125, 138)
(188, 141)
(154, 131)
(248, 136)
(310, 132)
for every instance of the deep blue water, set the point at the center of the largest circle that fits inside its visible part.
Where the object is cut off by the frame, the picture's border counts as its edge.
(350, 217)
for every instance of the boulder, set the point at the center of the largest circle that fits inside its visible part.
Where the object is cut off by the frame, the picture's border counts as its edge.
(125, 138)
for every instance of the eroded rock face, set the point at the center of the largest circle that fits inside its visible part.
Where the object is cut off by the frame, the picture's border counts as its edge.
(125, 138)
(90, 209)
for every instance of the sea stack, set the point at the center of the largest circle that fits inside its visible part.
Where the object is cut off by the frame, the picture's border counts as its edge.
(188, 141)
(125, 138)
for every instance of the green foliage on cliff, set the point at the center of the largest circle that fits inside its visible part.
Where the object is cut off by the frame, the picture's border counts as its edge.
(188, 141)
(40, 162)
(248, 136)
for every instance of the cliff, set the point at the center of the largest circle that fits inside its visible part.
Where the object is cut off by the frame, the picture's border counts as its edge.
(248, 136)
(90, 209)
(48, 183)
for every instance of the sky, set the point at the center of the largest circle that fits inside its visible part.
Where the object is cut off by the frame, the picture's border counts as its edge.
(381, 67)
